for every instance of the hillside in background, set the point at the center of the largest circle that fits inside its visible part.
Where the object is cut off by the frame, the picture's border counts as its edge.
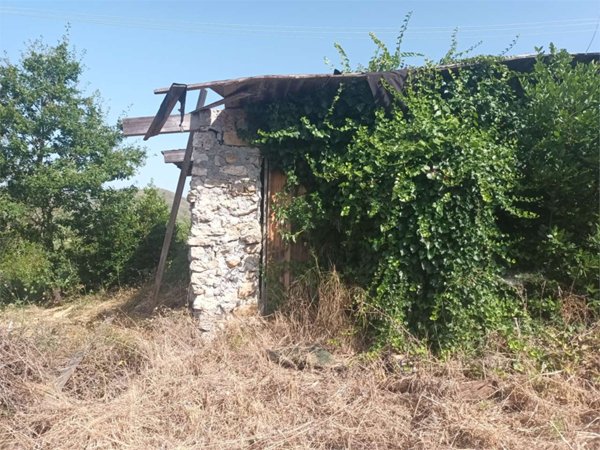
(184, 214)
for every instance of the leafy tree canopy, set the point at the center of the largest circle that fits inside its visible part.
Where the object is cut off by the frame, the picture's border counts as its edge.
(61, 226)
(56, 151)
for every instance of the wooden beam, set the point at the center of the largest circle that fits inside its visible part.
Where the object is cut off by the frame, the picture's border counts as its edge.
(138, 126)
(202, 99)
(174, 156)
(222, 101)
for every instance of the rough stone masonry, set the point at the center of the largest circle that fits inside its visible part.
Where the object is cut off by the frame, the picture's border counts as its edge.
(225, 242)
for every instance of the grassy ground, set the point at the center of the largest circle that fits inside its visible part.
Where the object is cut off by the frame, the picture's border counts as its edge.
(107, 372)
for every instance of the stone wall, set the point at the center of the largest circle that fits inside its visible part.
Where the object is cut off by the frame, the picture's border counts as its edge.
(225, 241)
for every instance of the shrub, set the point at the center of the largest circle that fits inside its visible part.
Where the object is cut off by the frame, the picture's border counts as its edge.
(124, 237)
(558, 153)
(25, 271)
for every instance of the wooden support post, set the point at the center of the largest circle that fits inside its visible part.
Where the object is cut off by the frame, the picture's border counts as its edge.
(264, 257)
(185, 167)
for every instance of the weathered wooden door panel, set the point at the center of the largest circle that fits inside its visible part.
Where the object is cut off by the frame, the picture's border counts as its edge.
(279, 257)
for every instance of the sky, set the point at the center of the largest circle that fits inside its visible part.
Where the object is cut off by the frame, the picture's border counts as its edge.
(129, 48)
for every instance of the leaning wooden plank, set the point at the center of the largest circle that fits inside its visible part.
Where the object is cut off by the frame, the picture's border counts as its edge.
(185, 167)
(177, 93)
(138, 126)
(183, 173)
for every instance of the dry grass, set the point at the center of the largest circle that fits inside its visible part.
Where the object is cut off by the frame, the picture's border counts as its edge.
(136, 380)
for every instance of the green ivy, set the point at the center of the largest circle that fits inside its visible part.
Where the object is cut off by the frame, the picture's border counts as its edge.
(429, 204)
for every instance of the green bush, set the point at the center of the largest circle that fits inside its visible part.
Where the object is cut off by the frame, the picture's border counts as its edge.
(25, 271)
(117, 242)
(57, 155)
(558, 144)
(123, 239)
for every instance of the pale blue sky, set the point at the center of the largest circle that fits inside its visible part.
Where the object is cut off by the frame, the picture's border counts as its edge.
(136, 46)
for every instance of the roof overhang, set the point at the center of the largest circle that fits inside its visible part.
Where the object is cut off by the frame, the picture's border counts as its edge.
(238, 92)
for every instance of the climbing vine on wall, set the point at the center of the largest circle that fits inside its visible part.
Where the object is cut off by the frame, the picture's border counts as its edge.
(425, 203)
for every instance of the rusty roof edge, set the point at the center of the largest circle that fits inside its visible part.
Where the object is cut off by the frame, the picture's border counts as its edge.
(524, 56)
(352, 75)
(210, 84)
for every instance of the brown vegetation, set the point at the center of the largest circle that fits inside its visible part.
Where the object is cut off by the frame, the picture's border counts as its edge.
(107, 374)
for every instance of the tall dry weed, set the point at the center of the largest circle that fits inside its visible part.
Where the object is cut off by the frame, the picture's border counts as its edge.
(155, 382)
(320, 307)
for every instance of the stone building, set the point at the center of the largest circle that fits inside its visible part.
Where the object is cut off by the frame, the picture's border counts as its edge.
(233, 235)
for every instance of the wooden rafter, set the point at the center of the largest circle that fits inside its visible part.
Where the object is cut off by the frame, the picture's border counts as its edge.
(177, 93)
(176, 157)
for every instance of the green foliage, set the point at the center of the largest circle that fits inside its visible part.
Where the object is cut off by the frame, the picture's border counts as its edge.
(432, 204)
(453, 55)
(382, 59)
(432, 179)
(122, 239)
(57, 152)
(25, 271)
(414, 204)
(558, 153)
(61, 227)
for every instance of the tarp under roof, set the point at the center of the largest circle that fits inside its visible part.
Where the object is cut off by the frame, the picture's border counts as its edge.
(240, 91)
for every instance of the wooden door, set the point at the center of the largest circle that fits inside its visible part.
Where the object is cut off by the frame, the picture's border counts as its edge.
(279, 256)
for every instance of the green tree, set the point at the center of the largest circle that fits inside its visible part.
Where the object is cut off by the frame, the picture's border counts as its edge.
(56, 151)
(123, 239)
